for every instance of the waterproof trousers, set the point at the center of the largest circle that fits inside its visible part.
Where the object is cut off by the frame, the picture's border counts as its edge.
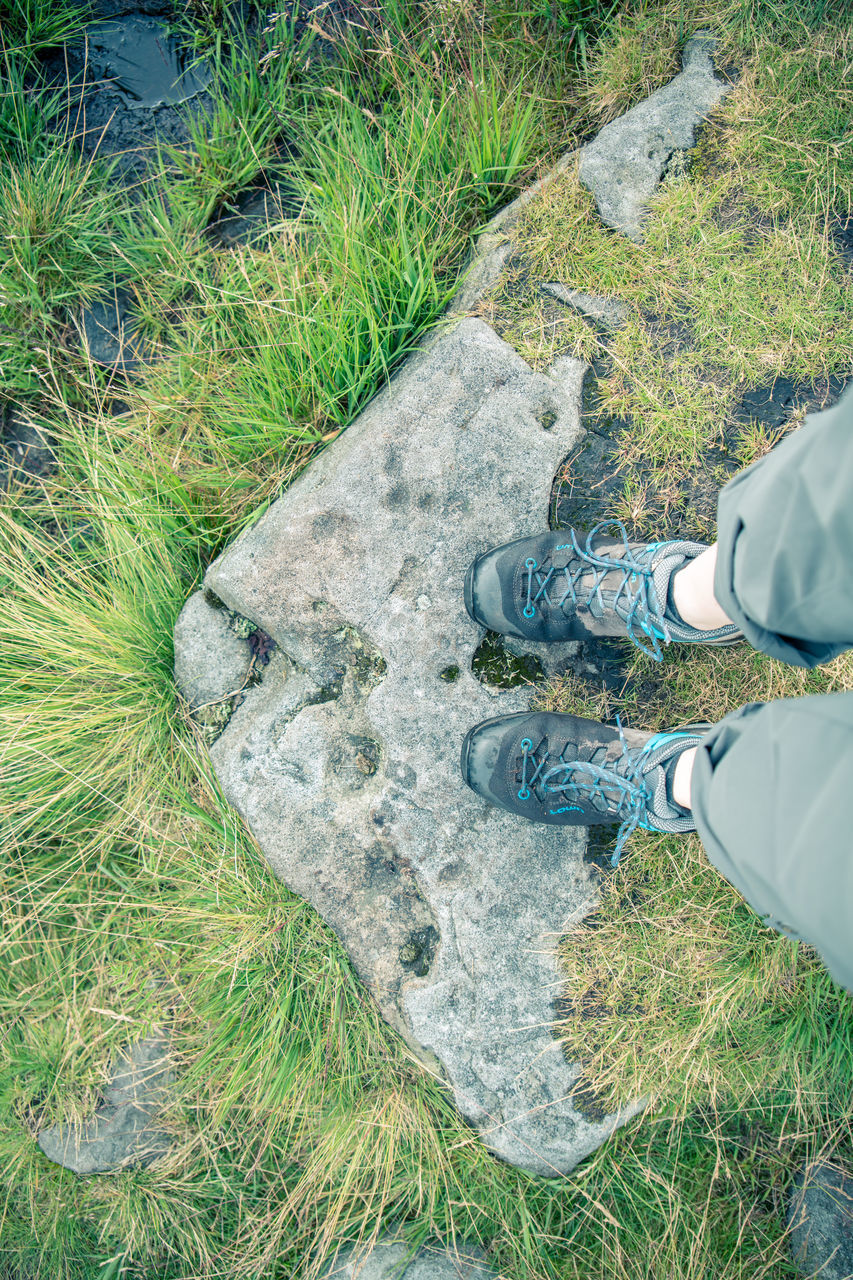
(772, 782)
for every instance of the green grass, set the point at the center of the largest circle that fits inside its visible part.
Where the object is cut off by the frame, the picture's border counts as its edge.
(132, 897)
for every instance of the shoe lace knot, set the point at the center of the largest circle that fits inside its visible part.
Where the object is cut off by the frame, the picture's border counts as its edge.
(635, 598)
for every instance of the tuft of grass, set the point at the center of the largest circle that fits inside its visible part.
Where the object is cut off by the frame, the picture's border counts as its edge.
(29, 26)
(719, 301)
(235, 137)
(679, 994)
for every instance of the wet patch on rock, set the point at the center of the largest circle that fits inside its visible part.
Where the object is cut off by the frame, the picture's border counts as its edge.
(124, 1129)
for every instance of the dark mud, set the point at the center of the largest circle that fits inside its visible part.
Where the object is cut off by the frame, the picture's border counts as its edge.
(132, 83)
(842, 234)
(252, 216)
(26, 450)
(111, 333)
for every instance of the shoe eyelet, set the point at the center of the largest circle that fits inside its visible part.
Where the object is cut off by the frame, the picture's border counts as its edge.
(525, 742)
(528, 613)
(524, 793)
(530, 563)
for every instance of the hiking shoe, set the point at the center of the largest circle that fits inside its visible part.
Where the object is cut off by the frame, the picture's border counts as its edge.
(564, 770)
(567, 586)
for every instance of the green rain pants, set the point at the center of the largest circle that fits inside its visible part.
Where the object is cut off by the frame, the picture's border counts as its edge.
(772, 782)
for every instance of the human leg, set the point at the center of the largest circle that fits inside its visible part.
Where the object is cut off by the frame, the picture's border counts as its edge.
(784, 566)
(770, 794)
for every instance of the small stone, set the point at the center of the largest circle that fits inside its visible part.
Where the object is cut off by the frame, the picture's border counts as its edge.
(123, 1130)
(820, 1219)
(390, 1259)
(211, 662)
(608, 313)
(365, 765)
(623, 165)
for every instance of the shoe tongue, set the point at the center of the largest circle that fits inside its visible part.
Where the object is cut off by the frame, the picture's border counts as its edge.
(658, 776)
(661, 575)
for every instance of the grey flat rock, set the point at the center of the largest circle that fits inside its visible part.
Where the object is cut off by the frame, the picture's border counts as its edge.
(820, 1218)
(387, 1260)
(123, 1130)
(623, 165)
(608, 313)
(344, 761)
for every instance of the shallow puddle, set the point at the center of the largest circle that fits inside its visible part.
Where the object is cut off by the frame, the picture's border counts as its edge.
(144, 62)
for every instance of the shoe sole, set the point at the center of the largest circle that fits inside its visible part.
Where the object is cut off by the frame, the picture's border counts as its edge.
(468, 591)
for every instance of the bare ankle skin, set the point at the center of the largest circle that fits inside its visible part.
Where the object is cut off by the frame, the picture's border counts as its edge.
(693, 593)
(682, 776)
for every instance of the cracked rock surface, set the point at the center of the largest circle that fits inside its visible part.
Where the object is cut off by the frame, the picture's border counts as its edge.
(124, 1128)
(624, 163)
(344, 760)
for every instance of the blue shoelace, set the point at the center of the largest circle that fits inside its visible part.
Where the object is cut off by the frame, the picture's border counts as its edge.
(635, 591)
(633, 798)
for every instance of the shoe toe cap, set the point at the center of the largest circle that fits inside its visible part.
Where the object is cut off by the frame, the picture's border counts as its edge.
(484, 594)
(480, 752)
